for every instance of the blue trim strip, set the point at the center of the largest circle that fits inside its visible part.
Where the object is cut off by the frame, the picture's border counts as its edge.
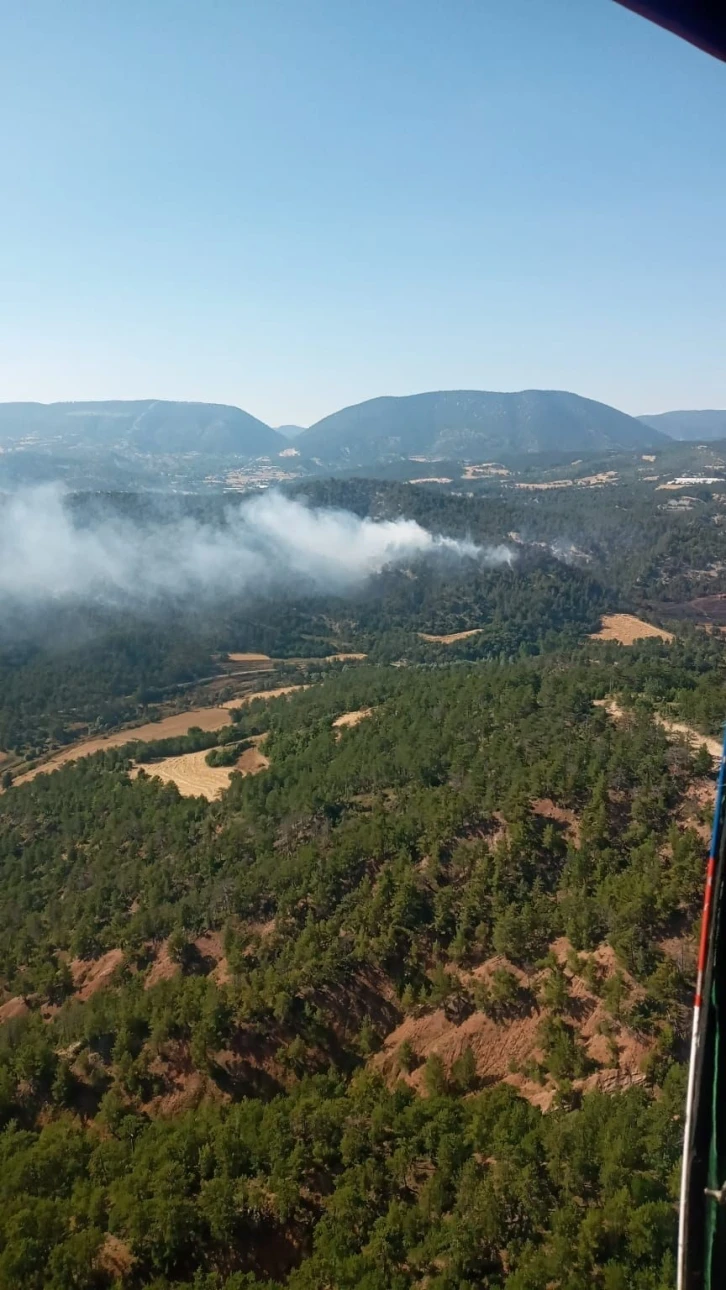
(719, 799)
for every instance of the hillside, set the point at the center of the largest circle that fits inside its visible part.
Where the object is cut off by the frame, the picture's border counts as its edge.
(145, 425)
(472, 424)
(347, 973)
(701, 426)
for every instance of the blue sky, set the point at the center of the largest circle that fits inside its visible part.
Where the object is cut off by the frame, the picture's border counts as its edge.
(293, 205)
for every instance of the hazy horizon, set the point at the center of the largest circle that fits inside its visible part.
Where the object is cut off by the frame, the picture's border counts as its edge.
(273, 207)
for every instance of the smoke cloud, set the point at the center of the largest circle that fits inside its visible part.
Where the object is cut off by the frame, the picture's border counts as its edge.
(267, 543)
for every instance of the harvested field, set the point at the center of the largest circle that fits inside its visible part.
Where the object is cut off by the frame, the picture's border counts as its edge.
(605, 477)
(244, 699)
(249, 658)
(484, 470)
(627, 629)
(352, 718)
(194, 778)
(451, 638)
(178, 724)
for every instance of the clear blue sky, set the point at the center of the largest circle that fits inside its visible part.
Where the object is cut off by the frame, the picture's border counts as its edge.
(292, 205)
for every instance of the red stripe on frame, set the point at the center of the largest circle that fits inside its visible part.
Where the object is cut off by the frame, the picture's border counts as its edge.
(706, 917)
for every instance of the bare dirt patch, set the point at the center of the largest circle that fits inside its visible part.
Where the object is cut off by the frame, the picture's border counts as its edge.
(191, 774)
(451, 638)
(163, 968)
(249, 658)
(544, 806)
(503, 1048)
(244, 699)
(180, 723)
(484, 470)
(347, 719)
(432, 479)
(194, 778)
(90, 975)
(16, 1007)
(605, 477)
(693, 737)
(626, 629)
(344, 658)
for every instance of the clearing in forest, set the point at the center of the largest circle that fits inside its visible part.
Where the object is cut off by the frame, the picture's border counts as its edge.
(627, 629)
(180, 723)
(451, 638)
(249, 658)
(347, 719)
(694, 737)
(514, 1039)
(244, 699)
(194, 778)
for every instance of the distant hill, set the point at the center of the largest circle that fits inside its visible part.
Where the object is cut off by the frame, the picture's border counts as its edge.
(148, 426)
(290, 432)
(692, 426)
(473, 424)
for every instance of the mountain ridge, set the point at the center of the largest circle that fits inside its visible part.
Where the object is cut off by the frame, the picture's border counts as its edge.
(156, 426)
(689, 426)
(467, 423)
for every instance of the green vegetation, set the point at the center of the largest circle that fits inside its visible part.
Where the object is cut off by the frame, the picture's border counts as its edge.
(352, 1024)
(369, 858)
(473, 424)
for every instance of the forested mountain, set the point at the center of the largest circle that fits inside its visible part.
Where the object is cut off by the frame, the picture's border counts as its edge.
(147, 426)
(290, 432)
(473, 424)
(406, 1005)
(704, 426)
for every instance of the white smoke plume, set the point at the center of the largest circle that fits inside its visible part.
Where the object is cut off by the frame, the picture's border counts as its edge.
(269, 542)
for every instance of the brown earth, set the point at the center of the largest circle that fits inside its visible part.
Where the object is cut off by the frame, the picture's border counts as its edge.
(210, 949)
(194, 778)
(347, 719)
(163, 968)
(605, 477)
(180, 723)
(90, 975)
(451, 638)
(694, 737)
(244, 699)
(561, 815)
(498, 1046)
(12, 1008)
(343, 658)
(626, 629)
(249, 658)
